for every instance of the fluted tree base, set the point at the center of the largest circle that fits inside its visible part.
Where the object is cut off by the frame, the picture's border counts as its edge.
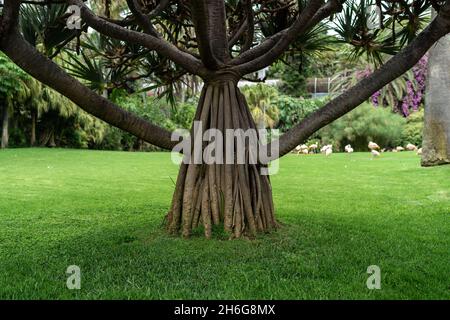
(234, 195)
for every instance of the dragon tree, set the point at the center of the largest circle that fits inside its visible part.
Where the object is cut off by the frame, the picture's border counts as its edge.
(222, 42)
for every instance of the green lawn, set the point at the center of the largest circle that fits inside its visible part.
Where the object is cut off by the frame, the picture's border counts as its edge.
(103, 212)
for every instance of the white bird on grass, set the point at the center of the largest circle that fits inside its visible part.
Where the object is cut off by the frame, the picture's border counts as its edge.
(313, 147)
(375, 153)
(348, 148)
(373, 146)
(324, 148)
(329, 150)
(302, 148)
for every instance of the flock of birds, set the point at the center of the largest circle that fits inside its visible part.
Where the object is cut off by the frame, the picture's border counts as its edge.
(374, 148)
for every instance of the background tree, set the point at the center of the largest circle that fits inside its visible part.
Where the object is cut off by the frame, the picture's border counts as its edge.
(221, 42)
(261, 100)
(13, 90)
(436, 138)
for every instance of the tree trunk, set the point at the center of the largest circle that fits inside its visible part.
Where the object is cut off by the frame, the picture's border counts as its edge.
(233, 195)
(5, 123)
(436, 140)
(51, 141)
(33, 127)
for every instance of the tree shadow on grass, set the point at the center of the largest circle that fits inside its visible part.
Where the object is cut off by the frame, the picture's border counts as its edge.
(316, 258)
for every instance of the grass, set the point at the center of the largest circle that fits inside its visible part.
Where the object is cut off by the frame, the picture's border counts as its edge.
(103, 211)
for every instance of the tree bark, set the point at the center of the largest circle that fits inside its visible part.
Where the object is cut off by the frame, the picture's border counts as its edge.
(33, 127)
(235, 196)
(436, 139)
(5, 124)
(209, 19)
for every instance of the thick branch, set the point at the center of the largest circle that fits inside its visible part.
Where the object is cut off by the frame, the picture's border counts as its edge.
(352, 98)
(285, 40)
(10, 16)
(145, 20)
(159, 9)
(183, 59)
(249, 34)
(141, 18)
(209, 19)
(238, 34)
(46, 71)
(271, 48)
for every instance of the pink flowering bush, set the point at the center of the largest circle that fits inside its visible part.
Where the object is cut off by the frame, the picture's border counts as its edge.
(412, 94)
(404, 95)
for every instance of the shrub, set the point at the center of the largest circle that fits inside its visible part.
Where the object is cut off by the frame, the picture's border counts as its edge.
(293, 110)
(413, 129)
(365, 123)
(184, 114)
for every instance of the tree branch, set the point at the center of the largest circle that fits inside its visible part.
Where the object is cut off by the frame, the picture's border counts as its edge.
(159, 8)
(183, 59)
(271, 49)
(250, 18)
(209, 19)
(237, 35)
(141, 18)
(349, 100)
(145, 20)
(287, 37)
(9, 19)
(49, 73)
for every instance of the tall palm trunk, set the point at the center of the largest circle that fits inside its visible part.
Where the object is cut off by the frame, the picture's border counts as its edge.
(33, 127)
(5, 123)
(233, 194)
(436, 142)
(51, 142)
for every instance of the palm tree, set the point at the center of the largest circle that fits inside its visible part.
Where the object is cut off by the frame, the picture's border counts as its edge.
(261, 101)
(13, 91)
(436, 140)
(43, 28)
